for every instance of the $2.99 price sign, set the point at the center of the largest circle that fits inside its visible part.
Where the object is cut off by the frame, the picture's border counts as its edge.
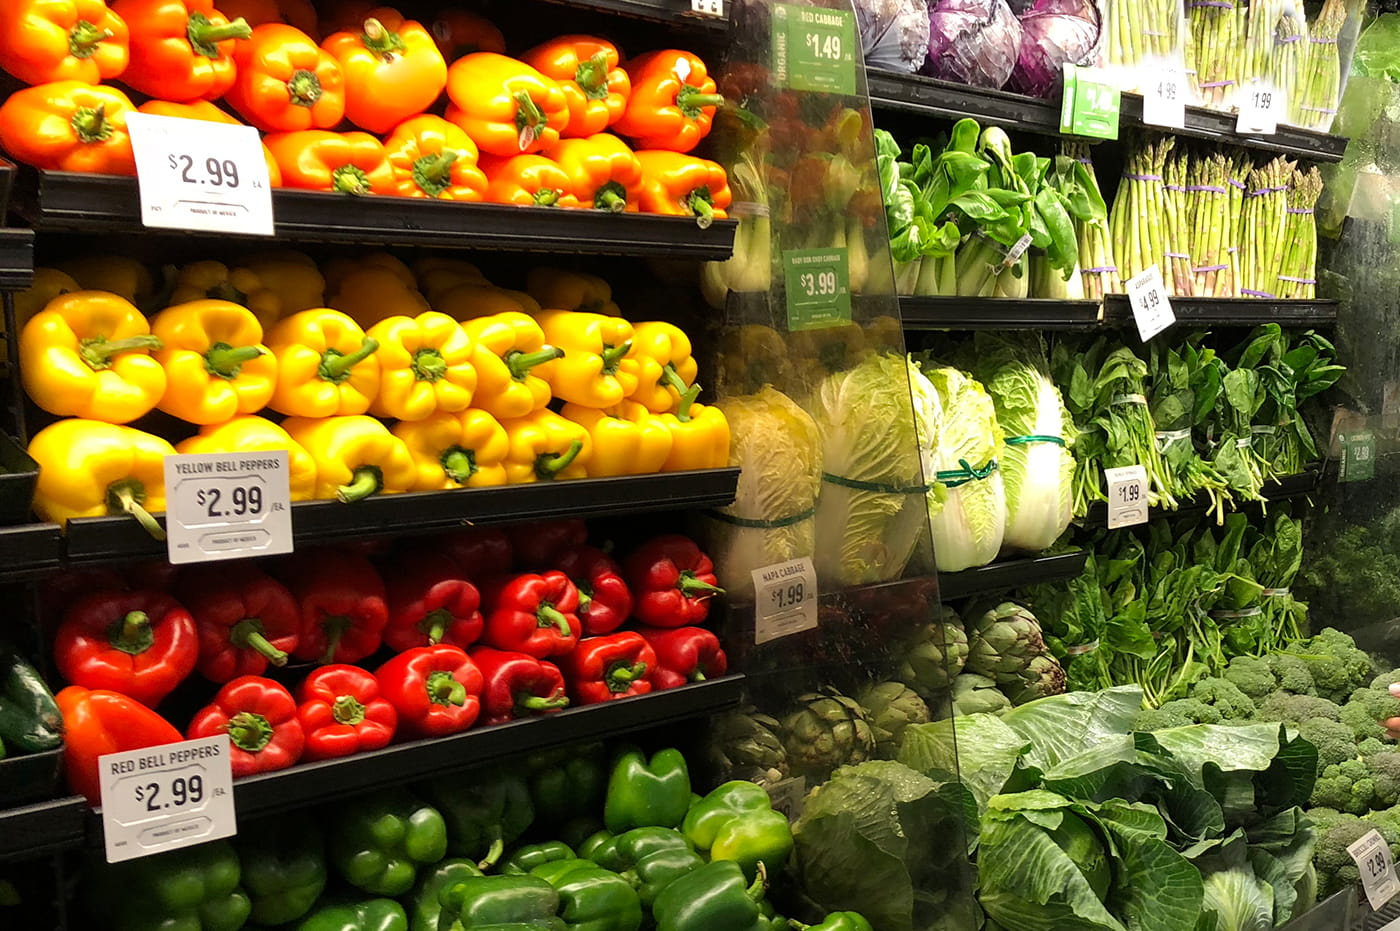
(818, 288)
(227, 506)
(167, 797)
(1378, 879)
(785, 599)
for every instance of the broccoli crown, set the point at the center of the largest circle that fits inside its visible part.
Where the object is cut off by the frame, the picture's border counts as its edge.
(1384, 681)
(1225, 697)
(1324, 818)
(1346, 786)
(1378, 702)
(1387, 822)
(1371, 745)
(1336, 870)
(1334, 741)
(1295, 709)
(1178, 713)
(1292, 674)
(1362, 719)
(1251, 675)
(1385, 773)
(1337, 666)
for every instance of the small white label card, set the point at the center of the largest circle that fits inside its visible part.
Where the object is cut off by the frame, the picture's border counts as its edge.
(1261, 107)
(707, 7)
(785, 599)
(227, 506)
(197, 175)
(1152, 306)
(1127, 496)
(167, 797)
(788, 795)
(1372, 856)
(1164, 99)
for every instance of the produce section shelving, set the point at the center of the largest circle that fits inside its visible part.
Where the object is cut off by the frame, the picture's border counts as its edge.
(1011, 573)
(16, 259)
(981, 313)
(1232, 311)
(665, 12)
(43, 828)
(1302, 485)
(29, 550)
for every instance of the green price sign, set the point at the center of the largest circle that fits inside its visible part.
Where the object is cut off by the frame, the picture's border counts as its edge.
(1358, 456)
(814, 49)
(1090, 105)
(818, 288)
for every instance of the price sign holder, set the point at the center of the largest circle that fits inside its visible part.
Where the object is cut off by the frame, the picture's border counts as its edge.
(707, 7)
(1090, 105)
(227, 506)
(787, 796)
(194, 175)
(785, 600)
(1378, 880)
(167, 797)
(1127, 496)
(814, 49)
(1261, 104)
(1164, 101)
(818, 288)
(1152, 306)
(1358, 462)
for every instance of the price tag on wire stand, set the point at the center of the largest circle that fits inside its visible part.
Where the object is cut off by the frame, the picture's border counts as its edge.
(814, 49)
(1358, 459)
(1152, 307)
(1372, 856)
(196, 175)
(1127, 496)
(1164, 100)
(787, 796)
(785, 599)
(1090, 104)
(167, 797)
(227, 506)
(818, 288)
(1261, 106)
(707, 7)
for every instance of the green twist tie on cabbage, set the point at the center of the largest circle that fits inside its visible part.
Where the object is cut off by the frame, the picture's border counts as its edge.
(952, 478)
(859, 485)
(1033, 438)
(762, 524)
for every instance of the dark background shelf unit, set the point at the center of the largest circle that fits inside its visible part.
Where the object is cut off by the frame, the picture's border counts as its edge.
(1011, 573)
(1303, 484)
(29, 550)
(985, 313)
(1232, 311)
(665, 12)
(43, 828)
(16, 259)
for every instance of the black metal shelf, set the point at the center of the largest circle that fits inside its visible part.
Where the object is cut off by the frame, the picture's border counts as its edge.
(44, 828)
(1301, 485)
(81, 203)
(1218, 126)
(29, 550)
(121, 539)
(666, 12)
(16, 259)
(986, 313)
(1232, 311)
(1011, 573)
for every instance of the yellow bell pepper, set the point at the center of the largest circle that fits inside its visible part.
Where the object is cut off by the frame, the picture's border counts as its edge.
(355, 456)
(369, 295)
(87, 354)
(292, 276)
(699, 437)
(512, 364)
(326, 365)
(627, 439)
(435, 276)
(467, 449)
(596, 370)
(425, 365)
(48, 284)
(469, 300)
(555, 287)
(116, 273)
(250, 434)
(215, 364)
(666, 370)
(215, 280)
(544, 447)
(337, 268)
(92, 469)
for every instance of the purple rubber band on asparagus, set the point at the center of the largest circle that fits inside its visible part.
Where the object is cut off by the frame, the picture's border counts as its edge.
(1301, 211)
(1288, 39)
(1249, 293)
(1209, 268)
(1100, 271)
(1217, 83)
(1324, 41)
(1236, 184)
(1177, 255)
(1132, 177)
(1206, 188)
(1297, 280)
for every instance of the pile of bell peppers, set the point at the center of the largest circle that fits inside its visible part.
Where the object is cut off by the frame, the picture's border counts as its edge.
(330, 652)
(380, 394)
(567, 840)
(344, 105)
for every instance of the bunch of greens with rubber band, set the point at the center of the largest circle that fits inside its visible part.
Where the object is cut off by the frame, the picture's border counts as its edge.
(1183, 388)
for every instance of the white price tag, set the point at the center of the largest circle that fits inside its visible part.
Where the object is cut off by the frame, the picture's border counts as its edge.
(1152, 307)
(227, 506)
(1164, 99)
(707, 7)
(786, 599)
(1372, 856)
(167, 797)
(1261, 106)
(196, 175)
(1127, 496)
(787, 796)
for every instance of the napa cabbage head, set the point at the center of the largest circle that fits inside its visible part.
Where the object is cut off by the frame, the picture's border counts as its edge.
(967, 518)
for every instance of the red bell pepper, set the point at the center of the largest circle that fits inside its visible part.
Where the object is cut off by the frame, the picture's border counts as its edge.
(604, 601)
(480, 552)
(429, 602)
(245, 619)
(534, 614)
(672, 582)
(537, 544)
(343, 611)
(341, 712)
(685, 654)
(58, 591)
(260, 718)
(141, 644)
(518, 686)
(605, 668)
(436, 690)
(99, 722)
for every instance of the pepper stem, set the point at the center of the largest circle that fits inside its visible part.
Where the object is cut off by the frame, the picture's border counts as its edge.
(127, 497)
(336, 365)
(429, 365)
(546, 197)
(381, 41)
(335, 626)
(365, 481)
(613, 355)
(458, 464)
(691, 587)
(493, 853)
(541, 702)
(347, 710)
(528, 117)
(248, 634)
(700, 202)
(621, 678)
(225, 291)
(205, 37)
(760, 883)
(84, 38)
(98, 353)
(688, 393)
(249, 731)
(443, 689)
(433, 173)
(225, 361)
(611, 197)
(132, 634)
(90, 124)
(549, 616)
(519, 363)
(434, 625)
(549, 465)
(304, 89)
(592, 77)
(348, 179)
(691, 100)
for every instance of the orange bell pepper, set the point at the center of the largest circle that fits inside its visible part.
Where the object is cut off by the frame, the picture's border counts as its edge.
(344, 163)
(286, 81)
(433, 158)
(528, 181)
(459, 33)
(505, 105)
(298, 13)
(69, 126)
(673, 101)
(603, 172)
(209, 113)
(683, 186)
(587, 70)
(393, 70)
(180, 49)
(61, 40)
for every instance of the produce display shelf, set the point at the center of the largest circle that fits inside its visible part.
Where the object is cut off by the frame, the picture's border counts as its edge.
(1232, 311)
(1011, 573)
(1290, 486)
(29, 550)
(987, 313)
(16, 259)
(121, 539)
(666, 12)
(946, 100)
(7, 179)
(67, 201)
(43, 828)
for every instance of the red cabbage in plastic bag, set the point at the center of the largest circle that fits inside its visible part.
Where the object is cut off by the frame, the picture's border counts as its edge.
(1054, 32)
(972, 42)
(893, 33)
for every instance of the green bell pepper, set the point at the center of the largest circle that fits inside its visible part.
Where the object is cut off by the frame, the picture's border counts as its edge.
(836, 921)
(590, 844)
(381, 841)
(567, 783)
(737, 822)
(621, 852)
(578, 830)
(499, 900)
(484, 812)
(527, 858)
(592, 898)
(643, 793)
(358, 915)
(30, 720)
(284, 867)
(772, 921)
(712, 897)
(192, 889)
(659, 869)
(423, 905)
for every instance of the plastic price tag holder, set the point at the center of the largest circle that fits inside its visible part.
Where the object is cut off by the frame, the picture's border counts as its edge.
(167, 797)
(785, 599)
(787, 796)
(1378, 880)
(227, 506)
(1127, 496)
(1164, 100)
(1261, 106)
(1090, 105)
(707, 7)
(196, 175)
(818, 288)
(814, 49)
(1358, 462)
(1152, 307)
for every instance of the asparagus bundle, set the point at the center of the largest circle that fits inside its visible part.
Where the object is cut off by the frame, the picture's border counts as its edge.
(1264, 228)
(1143, 33)
(1296, 280)
(1214, 51)
(1238, 182)
(1176, 266)
(1097, 269)
(1320, 85)
(1289, 59)
(1212, 226)
(1139, 209)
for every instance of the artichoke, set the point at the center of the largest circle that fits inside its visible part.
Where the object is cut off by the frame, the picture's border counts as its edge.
(974, 694)
(936, 655)
(1044, 676)
(827, 730)
(745, 745)
(891, 707)
(1002, 642)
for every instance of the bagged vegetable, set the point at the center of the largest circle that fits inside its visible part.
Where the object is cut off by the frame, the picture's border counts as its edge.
(1054, 32)
(973, 42)
(893, 33)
